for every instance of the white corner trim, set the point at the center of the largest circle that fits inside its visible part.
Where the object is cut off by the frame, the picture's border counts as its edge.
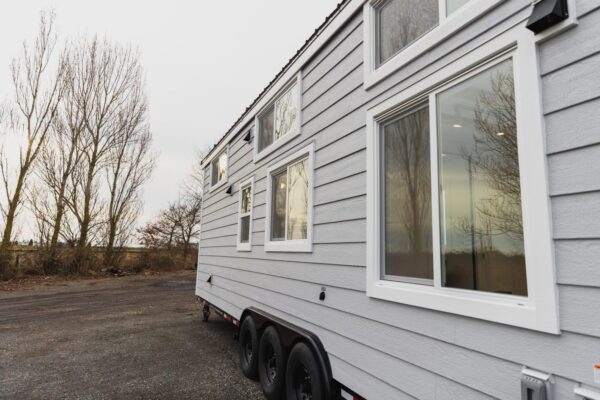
(334, 24)
(446, 27)
(223, 181)
(539, 311)
(292, 246)
(296, 84)
(239, 245)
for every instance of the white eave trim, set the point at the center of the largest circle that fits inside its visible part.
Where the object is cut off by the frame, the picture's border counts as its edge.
(335, 23)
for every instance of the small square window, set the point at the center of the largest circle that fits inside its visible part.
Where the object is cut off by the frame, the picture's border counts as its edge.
(278, 121)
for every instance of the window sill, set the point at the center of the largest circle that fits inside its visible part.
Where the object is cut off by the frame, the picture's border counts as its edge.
(218, 185)
(244, 247)
(446, 28)
(275, 145)
(504, 309)
(289, 246)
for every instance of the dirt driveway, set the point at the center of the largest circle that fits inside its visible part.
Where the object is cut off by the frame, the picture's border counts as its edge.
(119, 338)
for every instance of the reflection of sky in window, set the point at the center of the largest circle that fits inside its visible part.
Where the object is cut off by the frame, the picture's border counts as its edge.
(458, 166)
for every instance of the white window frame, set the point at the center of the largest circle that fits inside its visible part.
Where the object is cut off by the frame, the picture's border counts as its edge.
(447, 26)
(295, 131)
(537, 311)
(298, 245)
(226, 178)
(245, 246)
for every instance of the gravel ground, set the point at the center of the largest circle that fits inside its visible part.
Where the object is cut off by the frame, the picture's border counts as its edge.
(119, 338)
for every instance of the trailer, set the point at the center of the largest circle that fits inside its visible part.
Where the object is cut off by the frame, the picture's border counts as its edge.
(411, 208)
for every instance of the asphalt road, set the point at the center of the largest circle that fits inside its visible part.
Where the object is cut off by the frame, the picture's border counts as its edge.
(121, 338)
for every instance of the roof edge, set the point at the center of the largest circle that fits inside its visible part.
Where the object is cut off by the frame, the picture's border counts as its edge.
(324, 32)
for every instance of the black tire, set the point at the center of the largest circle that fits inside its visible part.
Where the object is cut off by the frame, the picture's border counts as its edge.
(304, 378)
(271, 364)
(249, 348)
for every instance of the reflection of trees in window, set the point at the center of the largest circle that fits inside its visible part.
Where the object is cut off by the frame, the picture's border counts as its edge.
(285, 114)
(482, 230)
(496, 156)
(278, 210)
(298, 201)
(265, 133)
(400, 22)
(408, 196)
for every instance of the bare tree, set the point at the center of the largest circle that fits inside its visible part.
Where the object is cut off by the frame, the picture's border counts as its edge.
(131, 162)
(107, 81)
(186, 213)
(37, 90)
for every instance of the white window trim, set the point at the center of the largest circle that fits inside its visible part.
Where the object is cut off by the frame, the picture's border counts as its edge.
(226, 178)
(539, 311)
(300, 246)
(446, 27)
(245, 246)
(259, 155)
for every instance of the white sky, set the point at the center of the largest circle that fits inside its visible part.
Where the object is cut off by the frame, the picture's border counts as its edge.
(205, 62)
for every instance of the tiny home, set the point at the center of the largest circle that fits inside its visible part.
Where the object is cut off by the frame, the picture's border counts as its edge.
(411, 208)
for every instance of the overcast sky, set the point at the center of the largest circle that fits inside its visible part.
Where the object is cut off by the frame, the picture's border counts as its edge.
(205, 61)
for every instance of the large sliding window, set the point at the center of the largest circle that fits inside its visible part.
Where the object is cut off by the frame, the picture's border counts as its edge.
(289, 206)
(279, 121)
(452, 225)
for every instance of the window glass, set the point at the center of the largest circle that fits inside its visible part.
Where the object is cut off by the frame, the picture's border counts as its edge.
(265, 123)
(407, 186)
(279, 119)
(278, 206)
(401, 22)
(297, 201)
(453, 5)
(285, 113)
(245, 229)
(219, 168)
(480, 194)
(246, 200)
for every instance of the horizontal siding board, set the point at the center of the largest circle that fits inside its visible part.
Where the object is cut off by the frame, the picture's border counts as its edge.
(573, 127)
(337, 51)
(572, 45)
(333, 276)
(578, 262)
(351, 61)
(345, 167)
(368, 386)
(339, 254)
(580, 310)
(353, 231)
(352, 186)
(574, 171)
(346, 145)
(329, 98)
(343, 210)
(576, 216)
(572, 85)
(586, 6)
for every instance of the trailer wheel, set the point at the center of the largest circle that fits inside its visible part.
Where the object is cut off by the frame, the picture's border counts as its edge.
(304, 379)
(271, 364)
(249, 348)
